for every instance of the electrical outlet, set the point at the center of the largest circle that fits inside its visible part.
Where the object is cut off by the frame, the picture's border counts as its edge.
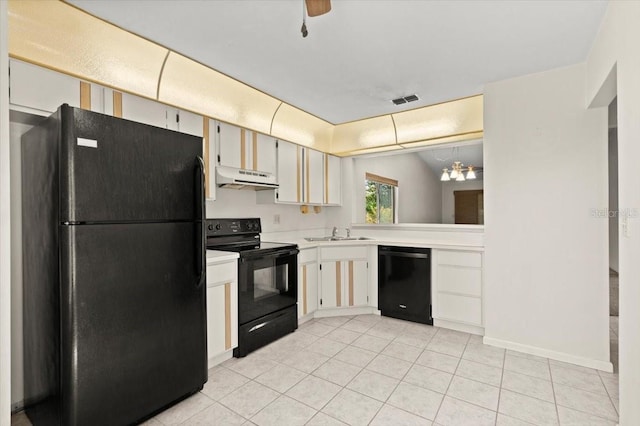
(276, 219)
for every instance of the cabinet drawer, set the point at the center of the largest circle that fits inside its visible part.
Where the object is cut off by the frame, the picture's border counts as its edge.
(459, 258)
(308, 255)
(221, 273)
(462, 280)
(459, 308)
(342, 253)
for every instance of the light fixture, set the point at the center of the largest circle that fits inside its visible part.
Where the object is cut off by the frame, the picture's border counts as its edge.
(457, 173)
(455, 170)
(471, 174)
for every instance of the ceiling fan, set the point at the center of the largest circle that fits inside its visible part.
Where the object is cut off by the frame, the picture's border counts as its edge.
(317, 7)
(313, 8)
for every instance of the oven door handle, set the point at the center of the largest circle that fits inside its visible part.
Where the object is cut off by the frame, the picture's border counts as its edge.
(276, 255)
(201, 253)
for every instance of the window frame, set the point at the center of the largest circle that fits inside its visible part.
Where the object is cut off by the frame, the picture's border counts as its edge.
(378, 180)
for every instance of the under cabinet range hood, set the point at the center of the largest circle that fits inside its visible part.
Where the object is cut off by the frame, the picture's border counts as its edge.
(234, 178)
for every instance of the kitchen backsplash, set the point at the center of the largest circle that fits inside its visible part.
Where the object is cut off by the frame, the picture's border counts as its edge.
(242, 203)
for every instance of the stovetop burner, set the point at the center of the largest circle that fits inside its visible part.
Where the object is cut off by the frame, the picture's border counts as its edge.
(241, 236)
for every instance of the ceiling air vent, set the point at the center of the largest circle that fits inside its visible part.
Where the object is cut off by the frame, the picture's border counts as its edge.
(405, 99)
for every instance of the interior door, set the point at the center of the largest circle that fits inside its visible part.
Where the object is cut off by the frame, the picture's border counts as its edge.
(469, 207)
(133, 320)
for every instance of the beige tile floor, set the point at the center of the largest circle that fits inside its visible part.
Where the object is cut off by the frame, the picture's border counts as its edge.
(372, 370)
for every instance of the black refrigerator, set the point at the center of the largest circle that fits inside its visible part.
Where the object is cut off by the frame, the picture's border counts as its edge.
(114, 304)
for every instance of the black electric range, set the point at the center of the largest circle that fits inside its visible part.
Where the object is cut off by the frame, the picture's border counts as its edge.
(267, 281)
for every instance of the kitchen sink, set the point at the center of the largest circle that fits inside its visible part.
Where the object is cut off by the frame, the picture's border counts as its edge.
(336, 238)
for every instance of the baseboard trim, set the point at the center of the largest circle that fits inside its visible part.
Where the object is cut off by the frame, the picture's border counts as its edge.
(305, 318)
(336, 312)
(547, 353)
(466, 328)
(220, 358)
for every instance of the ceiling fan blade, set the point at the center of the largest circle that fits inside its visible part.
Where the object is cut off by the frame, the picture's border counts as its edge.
(318, 7)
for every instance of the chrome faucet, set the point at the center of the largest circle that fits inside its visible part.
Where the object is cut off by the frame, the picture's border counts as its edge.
(348, 232)
(334, 233)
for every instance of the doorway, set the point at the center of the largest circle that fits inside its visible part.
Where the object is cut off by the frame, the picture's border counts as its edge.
(469, 207)
(614, 214)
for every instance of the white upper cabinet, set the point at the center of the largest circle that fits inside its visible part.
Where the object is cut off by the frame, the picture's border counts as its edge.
(289, 173)
(210, 157)
(264, 152)
(245, 149)
(300, 175)
(313, 177)
(142, 110)
(231, 143)
(41, 91)
(190, 123)
(333, 180)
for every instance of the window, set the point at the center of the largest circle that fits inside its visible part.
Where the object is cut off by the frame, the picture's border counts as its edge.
(380, 199)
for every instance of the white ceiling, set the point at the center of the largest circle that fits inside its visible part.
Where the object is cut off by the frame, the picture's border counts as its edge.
(364, 53)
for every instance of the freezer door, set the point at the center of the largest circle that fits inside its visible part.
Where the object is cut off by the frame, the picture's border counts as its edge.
(116, 170)
(133, 320)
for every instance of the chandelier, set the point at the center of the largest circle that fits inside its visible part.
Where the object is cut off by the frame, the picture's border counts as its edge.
(457, 173)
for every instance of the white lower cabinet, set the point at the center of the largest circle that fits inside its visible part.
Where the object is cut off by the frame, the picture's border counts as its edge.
(457, 286)
(222, 311)
(307, 282)
(344, 277)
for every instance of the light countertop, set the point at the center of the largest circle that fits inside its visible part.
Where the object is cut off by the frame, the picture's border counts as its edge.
(304, 244)
(216, 256)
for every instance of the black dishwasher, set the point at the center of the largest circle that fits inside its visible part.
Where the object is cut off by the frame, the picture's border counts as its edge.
(404, 283)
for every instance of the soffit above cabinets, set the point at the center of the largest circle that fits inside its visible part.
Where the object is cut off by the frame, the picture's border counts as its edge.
(364, 53)
(95, 50)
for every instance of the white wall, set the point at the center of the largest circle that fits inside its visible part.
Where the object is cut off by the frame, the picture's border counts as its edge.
(419, 190)
(242, 203)
(448, 198)
(617, 50)
(5, 227)
(17, 385)
(546, 257)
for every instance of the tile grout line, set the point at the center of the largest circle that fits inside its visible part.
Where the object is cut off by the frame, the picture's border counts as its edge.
(402, 378)
(504, 361)
(396, 335)
(452, 376)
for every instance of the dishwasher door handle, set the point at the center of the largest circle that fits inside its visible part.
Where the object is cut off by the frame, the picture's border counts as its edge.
(404, 254)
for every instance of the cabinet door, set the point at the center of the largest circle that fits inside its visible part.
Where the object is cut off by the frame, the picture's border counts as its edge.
(39, 90)
(210, 159)
(314, 177)
(263, 153)
(356, 282)
(142, 110)
(231, 144)
(307, 288)
(333, 180)
(215, 320)
(331, 284)
(289, 173)
(222, 326)
(190, 123)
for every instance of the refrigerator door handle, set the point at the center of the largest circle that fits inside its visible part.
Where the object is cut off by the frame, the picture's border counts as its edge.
(200, 223)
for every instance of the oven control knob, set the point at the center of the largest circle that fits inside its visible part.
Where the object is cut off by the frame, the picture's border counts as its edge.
(210, 227)
(218, 226)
